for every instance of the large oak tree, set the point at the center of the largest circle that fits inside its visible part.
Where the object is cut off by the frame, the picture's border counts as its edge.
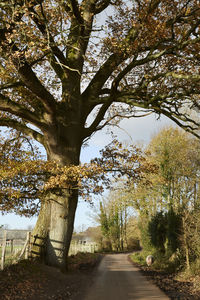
(60, 64)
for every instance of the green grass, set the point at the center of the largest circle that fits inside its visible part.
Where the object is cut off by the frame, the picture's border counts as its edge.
(139, 257)
(8, 249)
(161, 263)
(10, 257)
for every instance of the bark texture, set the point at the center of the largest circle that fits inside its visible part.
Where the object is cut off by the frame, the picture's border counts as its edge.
(41, 231)
(63, 210)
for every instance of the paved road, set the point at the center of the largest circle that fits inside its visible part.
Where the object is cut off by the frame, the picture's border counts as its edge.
(118, 279)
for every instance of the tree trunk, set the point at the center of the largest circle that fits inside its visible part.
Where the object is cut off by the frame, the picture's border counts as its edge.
(63, 210)
(54, 227)
(53, 231)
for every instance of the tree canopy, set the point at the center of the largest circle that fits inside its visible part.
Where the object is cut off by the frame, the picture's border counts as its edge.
(56, 56)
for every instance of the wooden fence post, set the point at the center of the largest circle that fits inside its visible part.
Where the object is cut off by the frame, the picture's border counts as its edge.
(3, 253)
(25, 246)
(75, 247)
(28, 238)
(11, 246)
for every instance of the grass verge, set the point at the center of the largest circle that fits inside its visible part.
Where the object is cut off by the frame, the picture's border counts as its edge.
(177, 284)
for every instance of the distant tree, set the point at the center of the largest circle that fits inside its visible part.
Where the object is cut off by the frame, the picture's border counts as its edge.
(170, 203)
(177, 155)
(95, 234)
(114, 216)
(132, 233)
(158, 231)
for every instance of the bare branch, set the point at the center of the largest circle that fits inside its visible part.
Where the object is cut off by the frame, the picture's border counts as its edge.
(44, 30)
(185, 125)
(110, 65)
(107, 122)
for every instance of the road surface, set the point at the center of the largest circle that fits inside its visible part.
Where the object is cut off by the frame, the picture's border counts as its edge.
(118, 279)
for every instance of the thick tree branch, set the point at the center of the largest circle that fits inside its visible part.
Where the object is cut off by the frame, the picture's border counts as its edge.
(56, 65)
(191, 30)
(79, 33)
(101, 6)
(19, 110)
(76, 11)
(102, 75)
(23, 128)
(176, 75)
(115, 60)
(41, 58)
(153, 5)
(33, 83)
(11, 85)
(100, 116)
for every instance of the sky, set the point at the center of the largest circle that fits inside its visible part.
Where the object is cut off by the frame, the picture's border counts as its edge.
(136, 130)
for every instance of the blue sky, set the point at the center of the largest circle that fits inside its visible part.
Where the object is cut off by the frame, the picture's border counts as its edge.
(133, 131)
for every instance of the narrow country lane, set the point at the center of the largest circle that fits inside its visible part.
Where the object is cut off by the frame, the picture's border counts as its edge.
(118, 279)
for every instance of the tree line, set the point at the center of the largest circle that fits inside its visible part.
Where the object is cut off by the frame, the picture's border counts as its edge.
(164, 203)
